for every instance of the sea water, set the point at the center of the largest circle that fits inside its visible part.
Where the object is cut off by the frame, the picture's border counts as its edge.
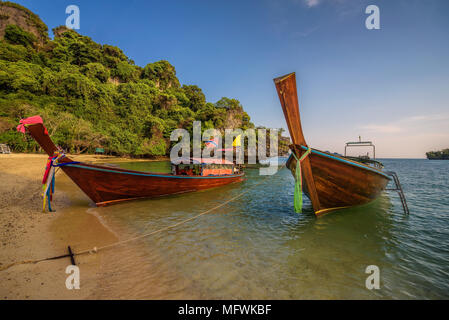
(257, 247)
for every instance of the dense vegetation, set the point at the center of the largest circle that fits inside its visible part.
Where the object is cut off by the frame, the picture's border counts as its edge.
(92, 95)
(438, 155)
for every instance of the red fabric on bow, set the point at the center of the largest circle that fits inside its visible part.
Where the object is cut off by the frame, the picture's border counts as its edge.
(30, 120)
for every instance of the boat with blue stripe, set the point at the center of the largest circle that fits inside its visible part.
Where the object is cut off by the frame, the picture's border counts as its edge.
(106, 185)
(331, 181)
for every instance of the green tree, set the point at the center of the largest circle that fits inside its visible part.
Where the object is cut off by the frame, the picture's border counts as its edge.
(195, 96)
(229, 104)
(97, 71)
(162, 73)
(126, 72)
(93, 95)
(16, 35)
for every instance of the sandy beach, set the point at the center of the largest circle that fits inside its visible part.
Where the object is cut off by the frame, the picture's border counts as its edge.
(26, 233)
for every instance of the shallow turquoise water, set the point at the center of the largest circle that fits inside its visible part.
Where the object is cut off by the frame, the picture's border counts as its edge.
(258, 248)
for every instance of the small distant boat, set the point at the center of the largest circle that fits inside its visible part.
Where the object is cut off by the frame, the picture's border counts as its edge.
(332, 182)
(107, 185)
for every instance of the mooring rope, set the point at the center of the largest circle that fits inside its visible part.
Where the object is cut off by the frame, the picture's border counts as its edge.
(95, 249)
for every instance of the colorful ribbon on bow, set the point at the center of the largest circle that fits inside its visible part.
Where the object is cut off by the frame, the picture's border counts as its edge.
(298, 181)
(48, 180)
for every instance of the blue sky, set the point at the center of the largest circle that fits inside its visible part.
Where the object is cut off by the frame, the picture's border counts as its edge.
(390, 86)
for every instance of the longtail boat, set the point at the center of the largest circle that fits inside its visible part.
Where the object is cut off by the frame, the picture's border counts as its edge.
(332, 182)
(106, 185)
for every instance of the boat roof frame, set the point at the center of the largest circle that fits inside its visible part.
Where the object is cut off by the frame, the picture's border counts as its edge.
(361, 144)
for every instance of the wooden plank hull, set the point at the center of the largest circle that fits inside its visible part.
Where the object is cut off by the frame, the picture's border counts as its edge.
(331, 182)
(342, 183)
(107, 185)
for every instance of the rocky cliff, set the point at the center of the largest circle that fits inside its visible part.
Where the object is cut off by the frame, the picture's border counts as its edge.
(14, 14)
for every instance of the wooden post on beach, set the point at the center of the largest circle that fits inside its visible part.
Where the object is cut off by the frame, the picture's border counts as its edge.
(72, 258)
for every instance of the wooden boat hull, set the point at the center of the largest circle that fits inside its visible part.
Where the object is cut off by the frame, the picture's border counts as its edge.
(107, 185)
(330, 181)
(341, 183)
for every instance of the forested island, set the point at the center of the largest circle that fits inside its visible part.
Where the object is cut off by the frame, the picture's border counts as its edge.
(92, 95)
(438, 155)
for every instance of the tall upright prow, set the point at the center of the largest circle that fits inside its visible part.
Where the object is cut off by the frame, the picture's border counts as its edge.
(286, 88)
(332, 182)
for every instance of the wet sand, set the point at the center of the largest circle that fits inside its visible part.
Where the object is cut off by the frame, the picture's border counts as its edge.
(26, 233)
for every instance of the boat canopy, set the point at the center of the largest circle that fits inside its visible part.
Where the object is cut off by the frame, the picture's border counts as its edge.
(201, 161)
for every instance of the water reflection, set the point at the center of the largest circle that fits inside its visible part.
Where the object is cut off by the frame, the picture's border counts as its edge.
(257, 247)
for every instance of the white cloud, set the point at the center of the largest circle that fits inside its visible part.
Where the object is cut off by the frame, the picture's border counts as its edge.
(381, 128)
(312, 3)
(408, 124)
(427, 117)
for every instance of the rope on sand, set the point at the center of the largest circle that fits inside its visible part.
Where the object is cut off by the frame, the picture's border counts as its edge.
(95, 249)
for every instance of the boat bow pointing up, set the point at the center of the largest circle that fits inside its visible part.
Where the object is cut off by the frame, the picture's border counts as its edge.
(331, 182)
